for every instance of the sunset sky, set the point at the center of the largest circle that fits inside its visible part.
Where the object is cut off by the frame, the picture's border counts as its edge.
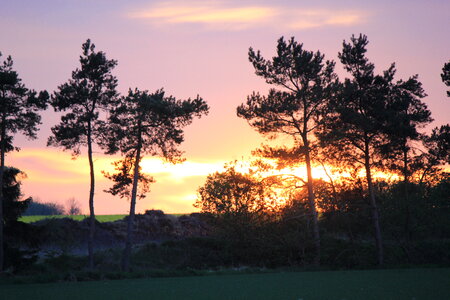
(199, 47)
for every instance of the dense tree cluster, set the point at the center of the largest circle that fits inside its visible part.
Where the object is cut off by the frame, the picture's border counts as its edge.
(362, 124)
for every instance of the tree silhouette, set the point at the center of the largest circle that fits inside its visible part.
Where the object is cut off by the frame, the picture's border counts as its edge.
(73, 206)
(19, 108)
(149, 124)
(437, 152)
(91, 89)
(14, 206)
(355, 129)
(406, 115)
(232, 193)
(305, 83)
(446, 76)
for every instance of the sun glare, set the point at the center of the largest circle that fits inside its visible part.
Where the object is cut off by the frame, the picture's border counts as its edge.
(180, 171)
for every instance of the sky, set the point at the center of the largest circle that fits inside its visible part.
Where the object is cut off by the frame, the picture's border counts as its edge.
(199, 48)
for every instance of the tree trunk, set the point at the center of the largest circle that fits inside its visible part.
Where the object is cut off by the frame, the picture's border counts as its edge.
(407, 205)
(373, 206)
(2, 168)
(130, 224)
(91, 200)
(312, 205)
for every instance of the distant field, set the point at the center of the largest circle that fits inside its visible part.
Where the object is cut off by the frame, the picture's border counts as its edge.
(405, 284)
(100, 218)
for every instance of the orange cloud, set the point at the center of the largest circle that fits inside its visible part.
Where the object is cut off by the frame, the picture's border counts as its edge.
(212, 15)
(225, 17)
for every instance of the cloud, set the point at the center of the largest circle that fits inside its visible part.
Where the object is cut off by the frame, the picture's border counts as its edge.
(221, 16)
(320, 18)
(211, 15)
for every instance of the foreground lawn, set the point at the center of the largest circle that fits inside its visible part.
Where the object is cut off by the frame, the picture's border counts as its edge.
(372, 284)
(100, 218)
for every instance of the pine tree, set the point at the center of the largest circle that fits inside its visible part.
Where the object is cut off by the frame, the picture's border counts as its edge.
(305, 85)
(91, 90)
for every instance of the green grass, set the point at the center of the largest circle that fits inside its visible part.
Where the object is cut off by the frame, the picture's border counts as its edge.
(370, 284)
(100, 218)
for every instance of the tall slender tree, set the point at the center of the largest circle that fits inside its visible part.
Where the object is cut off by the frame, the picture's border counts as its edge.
(305, 82)
(355, 128)
(19, 109)
(91, 90)
(148, 124)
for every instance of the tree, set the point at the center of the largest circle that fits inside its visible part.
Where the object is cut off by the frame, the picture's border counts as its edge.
(19, 109)
(16, 233)
(91, 89)
(151, 124)
(355, 127)
(406, 115)
(446, 76)
(305, 83)
(232, 193)
(14, 206)
(73, 206)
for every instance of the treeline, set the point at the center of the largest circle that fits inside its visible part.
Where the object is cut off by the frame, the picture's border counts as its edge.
(39, 208)
(366, 122)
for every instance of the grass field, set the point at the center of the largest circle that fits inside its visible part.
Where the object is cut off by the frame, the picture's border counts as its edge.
(100, 218)
(401, 284)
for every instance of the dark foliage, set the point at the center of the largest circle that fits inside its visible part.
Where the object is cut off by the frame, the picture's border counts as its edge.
(19, 106)
(14, 205)
(446, 76)
(16, 233)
